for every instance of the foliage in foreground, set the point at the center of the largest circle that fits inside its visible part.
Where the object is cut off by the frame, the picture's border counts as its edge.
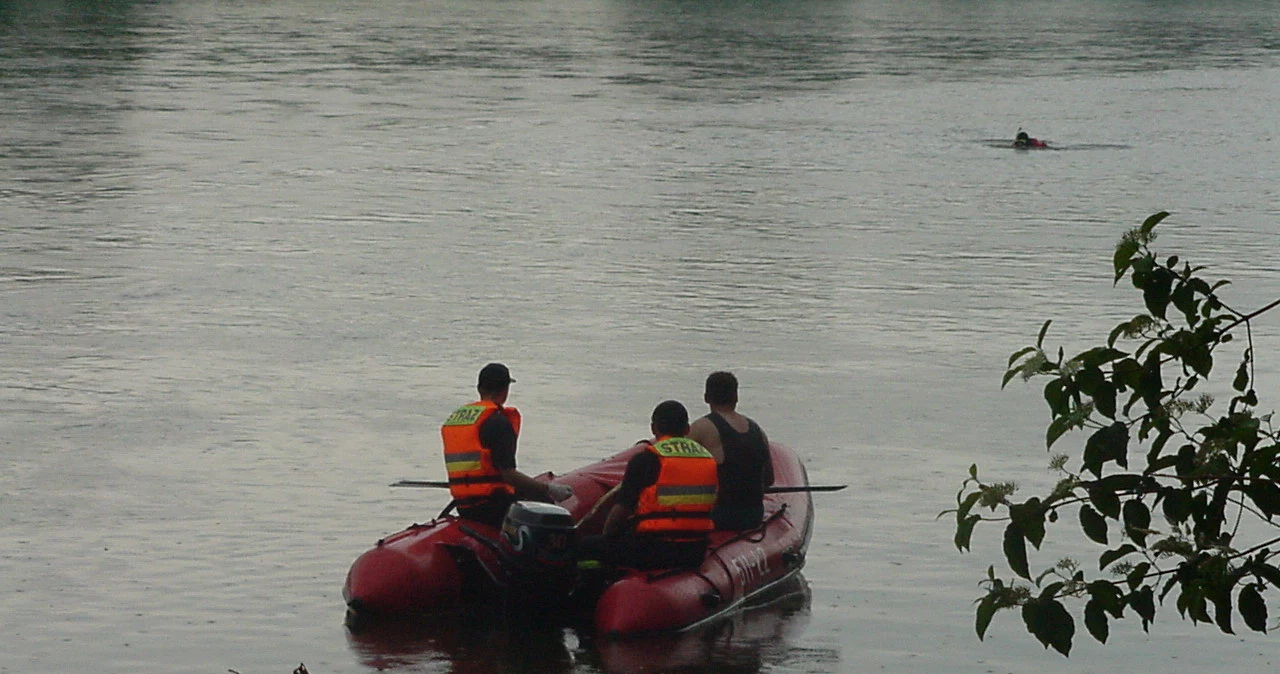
(1213, 483)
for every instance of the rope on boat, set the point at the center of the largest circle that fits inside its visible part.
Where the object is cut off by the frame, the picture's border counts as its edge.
(758, 530)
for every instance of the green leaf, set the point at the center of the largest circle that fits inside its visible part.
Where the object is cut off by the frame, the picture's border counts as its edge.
(1055, 393)
(1020, 353)
(1105, 501)
(966, 505)
(986, 610)
(1063, 626)
(1015, 550)
(1184, 298)
(1110, 443)
(964, 531)
(1009, 375)
(1137, 574)
(1089, 378)
(1057, 427)
(1029, 518)
(1143, 602)
(1040, 338)
(1186, 460)
(1137, 520)
(1104, 400)
(1156, 290)
(1222, 610)
(1093, 524)
(1151, 222)
(1122, 482)
(1269, 572)
(1095, 620)
(1194, 604)
(1241, 382)
(1200, 359)
(1253, 608)
(1051, 624)
(1151, 382)
(1177, 505)
(1123, 257)
(1105, 559)
(1051, 590)
(1108, 596)
(1099, 355)
(1265, 495)
(1127, 373)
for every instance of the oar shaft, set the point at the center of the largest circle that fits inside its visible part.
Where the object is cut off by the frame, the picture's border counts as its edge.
(421, 483)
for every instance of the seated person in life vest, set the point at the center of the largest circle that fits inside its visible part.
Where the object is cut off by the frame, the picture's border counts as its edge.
(661, 512)
(480, 454)
(741, 448)
(1023, 141)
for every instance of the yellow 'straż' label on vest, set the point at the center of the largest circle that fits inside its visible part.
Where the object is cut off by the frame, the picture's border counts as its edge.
(681, 447)
(464, 416)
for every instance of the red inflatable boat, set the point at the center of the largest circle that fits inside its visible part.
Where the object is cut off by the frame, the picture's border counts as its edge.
(450, 563)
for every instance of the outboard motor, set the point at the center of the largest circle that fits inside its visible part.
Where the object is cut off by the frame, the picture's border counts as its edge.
(538, 545)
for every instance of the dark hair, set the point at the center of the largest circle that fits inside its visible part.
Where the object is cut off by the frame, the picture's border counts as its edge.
(722, 389)
(670, 418)
(494, 378)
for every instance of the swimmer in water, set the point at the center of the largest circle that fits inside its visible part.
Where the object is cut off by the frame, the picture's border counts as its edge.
(1023, 141)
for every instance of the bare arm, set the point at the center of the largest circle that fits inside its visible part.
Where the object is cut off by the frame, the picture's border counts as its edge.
(703, 432)
(588, 521)
(525, 486)
(619, 516)
(766, 475)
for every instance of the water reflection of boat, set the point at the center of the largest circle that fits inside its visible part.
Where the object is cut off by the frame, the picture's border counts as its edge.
(483, 643)
(463, 643)
(743, 644)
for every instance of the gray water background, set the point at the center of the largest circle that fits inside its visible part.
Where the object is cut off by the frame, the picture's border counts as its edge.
(252, 252)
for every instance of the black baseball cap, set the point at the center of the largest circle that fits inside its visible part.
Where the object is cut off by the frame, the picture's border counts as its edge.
(494, 376)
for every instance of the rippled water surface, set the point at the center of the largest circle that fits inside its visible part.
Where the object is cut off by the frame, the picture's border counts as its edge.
(252, 252)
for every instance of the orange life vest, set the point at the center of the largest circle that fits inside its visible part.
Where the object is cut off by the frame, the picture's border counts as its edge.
(470, 466)
(682, 498)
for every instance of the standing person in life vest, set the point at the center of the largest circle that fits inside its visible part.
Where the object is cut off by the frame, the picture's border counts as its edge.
(662, 511)
(480, 454)
(741, 448)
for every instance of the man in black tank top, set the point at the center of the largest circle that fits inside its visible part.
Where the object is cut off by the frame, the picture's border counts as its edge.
(741, 448)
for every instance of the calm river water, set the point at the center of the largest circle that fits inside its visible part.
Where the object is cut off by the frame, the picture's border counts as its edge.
(251, 253)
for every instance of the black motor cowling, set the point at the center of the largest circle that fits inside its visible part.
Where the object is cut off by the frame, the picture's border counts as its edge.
(538, 545)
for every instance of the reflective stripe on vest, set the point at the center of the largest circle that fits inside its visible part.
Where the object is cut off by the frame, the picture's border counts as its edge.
(671, 496)
(462, 461)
